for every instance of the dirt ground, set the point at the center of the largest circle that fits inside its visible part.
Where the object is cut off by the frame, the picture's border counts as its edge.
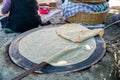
(100, 71)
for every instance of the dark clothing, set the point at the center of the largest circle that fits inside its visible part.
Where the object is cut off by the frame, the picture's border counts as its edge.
(63, 1)
(23, 16)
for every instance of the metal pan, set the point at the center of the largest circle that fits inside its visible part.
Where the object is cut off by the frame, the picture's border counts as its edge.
(21, 61)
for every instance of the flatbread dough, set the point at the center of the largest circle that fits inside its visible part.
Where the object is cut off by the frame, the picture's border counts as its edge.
(46, 45)
(77, 33)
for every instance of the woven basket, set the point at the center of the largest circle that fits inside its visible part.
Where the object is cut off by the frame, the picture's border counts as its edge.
(89, 1)
(88, 18)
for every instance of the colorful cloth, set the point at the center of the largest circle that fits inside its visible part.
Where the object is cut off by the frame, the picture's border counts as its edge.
(70, 9)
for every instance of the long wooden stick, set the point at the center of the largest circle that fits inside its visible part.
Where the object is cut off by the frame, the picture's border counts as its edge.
(27, 72)
(112, 24)
(46, 62)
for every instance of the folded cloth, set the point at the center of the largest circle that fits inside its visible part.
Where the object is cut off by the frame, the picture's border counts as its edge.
(116, 18)
(70, 9)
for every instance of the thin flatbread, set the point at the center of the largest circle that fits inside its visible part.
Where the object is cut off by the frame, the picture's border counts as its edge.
(77, 33)
(43, 44)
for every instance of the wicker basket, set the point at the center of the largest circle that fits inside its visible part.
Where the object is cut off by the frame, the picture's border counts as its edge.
(88, 18)
(89, 1)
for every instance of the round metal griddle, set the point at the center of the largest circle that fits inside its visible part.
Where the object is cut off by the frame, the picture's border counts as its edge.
(21, 61)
